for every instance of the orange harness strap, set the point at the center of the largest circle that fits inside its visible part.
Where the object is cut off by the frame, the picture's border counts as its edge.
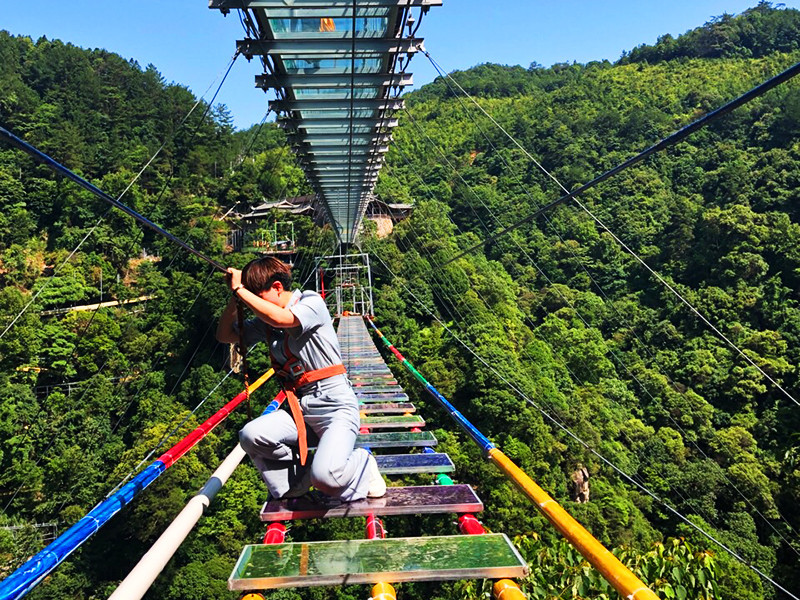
(293, 376)
(291, 387)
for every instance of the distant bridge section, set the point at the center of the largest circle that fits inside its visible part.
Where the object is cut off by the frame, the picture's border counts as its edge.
(337, 68)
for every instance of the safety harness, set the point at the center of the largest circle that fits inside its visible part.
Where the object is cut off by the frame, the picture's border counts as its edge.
(293, 376)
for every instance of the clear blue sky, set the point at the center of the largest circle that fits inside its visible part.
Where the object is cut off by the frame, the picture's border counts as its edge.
(191, 45)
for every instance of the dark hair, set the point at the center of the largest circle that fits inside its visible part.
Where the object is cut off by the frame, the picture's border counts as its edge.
(259, 274)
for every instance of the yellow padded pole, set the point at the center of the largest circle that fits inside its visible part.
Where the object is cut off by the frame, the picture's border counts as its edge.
(617, 574)
(506, 589)
(383, 591)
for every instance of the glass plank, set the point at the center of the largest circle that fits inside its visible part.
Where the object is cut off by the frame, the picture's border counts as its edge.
(396, 439)
(340, 12)
(361, 92)
(412, 500)
(392, 399)
(377, 389)
(331, 65)
(367, 361)
(341, 128)
(435, 558)
(327, 28)
(341, 114)
(381, 375)
(389, 422)
(367, 393)
(386, 408)
(403, 464)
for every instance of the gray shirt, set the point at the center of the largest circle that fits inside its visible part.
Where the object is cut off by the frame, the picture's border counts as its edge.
(314, 341)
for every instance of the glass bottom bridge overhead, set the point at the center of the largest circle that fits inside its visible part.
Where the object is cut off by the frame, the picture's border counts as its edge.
(337, 68)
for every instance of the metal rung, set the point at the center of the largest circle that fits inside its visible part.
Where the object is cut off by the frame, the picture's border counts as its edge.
(426, 499)
(435, 558)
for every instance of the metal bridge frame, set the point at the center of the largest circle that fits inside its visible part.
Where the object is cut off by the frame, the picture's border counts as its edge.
(352, 283)
(336, 68)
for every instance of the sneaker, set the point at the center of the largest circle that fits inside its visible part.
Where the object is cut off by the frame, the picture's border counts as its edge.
(377, 486)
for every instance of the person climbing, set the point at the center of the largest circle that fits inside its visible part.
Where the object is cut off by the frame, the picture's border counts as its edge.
(307, 359)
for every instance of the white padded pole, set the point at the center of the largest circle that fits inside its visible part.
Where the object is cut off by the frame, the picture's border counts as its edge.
(139, 580)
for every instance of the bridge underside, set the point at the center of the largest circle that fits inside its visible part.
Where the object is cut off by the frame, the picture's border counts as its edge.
(337, 68)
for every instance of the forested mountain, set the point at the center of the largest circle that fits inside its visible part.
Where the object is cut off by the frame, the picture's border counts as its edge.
(561, 314)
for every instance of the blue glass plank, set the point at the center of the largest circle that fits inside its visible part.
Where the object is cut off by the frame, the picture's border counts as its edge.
(403, 464)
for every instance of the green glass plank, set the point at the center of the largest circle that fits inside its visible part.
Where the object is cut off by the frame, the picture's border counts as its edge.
(395, 421)
(435, 558)
(396, 439)
(381, 398)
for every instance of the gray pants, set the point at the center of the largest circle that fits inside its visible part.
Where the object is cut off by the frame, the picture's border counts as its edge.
(330, 410)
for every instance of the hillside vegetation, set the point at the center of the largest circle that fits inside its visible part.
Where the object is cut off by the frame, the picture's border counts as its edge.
(559, 312)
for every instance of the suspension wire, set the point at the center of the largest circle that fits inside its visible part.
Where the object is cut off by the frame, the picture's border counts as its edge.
(617, 359)
(607, 300)
(585, 445)
(450, 164)
(59, 168)
(241, 158)
(115, 202)
(55, 429)
(563, 364)
(574, 375)
(580, 382)
(348, 220)
(167, 436)
(135, 397)
(307, 269)
(666, 142)
(127, 188)
(169, 266)
(305, 257)
(121, 195)
(56, 271)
